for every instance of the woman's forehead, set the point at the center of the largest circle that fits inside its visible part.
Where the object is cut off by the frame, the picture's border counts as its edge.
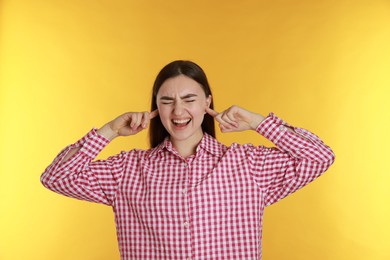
(180, 85)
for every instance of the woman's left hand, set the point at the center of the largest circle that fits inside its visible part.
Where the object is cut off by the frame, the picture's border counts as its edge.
(235, 119)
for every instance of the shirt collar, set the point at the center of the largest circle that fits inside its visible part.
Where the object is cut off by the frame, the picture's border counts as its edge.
(208, 143)
(211, 145)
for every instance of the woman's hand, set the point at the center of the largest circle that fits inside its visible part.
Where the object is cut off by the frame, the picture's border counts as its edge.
(127, 124)
(235, 119)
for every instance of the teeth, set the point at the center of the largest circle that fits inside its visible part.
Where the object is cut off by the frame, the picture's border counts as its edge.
(183, 121)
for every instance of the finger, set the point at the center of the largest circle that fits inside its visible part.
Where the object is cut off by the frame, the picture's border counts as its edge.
(136, 121)
(232, 116)
(139, 120)
(145, 119)
(228, 118)
(153, 114)
(219, 119)
(225, 128)
(211, 112)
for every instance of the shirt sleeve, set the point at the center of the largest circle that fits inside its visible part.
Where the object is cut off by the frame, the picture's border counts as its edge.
(81, 178)
(298, 158)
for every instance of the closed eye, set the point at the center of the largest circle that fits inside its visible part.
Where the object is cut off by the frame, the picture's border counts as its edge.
(167, 100)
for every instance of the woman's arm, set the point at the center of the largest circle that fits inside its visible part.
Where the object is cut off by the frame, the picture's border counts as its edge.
(127, 124)
(299, 157)
(73, 172)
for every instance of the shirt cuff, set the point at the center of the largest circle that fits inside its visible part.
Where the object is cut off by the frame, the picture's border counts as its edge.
(273, 128)
(92, 143)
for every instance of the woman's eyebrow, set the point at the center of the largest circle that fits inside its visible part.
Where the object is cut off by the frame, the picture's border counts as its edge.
(188, 96)
(166, 98)
(182, 97)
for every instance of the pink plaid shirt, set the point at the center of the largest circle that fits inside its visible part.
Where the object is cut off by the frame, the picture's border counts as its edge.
(208, 206)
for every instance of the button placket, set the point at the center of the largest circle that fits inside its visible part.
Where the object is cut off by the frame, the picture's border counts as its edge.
(186, 215)
(184, 192)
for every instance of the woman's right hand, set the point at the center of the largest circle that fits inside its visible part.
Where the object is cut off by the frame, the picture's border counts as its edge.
(129, 123)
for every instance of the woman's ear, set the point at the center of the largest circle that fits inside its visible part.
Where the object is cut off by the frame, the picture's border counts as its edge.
(208, 100)
(208, 103)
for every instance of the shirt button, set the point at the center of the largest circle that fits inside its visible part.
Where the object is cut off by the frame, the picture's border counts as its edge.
(184, 191)
(281, 128)
(186, 224)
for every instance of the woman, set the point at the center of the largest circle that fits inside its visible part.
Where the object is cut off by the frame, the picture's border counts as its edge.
(189, 196)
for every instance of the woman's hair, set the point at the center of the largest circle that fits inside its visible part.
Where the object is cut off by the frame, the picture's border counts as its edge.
(157, 131)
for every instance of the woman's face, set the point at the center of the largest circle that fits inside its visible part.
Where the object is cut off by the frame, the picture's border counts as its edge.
(181, 103)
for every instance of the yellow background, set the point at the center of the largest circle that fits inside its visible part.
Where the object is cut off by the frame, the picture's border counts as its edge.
(67, 66)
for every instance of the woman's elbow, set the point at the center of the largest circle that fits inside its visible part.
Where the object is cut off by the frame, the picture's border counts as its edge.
(45, 180)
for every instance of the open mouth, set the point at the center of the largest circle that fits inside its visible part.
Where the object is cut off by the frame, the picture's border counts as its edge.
(181, 122)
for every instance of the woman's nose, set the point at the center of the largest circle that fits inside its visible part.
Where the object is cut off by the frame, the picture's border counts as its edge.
(178, 109)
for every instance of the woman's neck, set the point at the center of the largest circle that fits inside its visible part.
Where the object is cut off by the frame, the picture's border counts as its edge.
(187, 147)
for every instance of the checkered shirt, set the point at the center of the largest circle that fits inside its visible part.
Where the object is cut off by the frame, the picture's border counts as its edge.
(207, 206)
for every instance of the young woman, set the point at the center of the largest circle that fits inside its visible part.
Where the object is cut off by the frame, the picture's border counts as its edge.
(189, 196)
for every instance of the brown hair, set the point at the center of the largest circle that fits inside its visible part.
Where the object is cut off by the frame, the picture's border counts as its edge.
(157, 131)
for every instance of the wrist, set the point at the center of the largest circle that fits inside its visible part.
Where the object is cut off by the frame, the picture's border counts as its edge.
(107, 132)
(257, 121)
